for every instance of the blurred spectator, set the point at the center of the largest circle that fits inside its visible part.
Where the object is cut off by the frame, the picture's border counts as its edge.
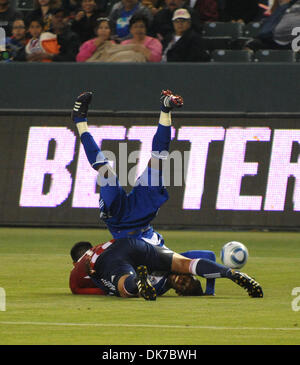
(244, 11)
(207, 10)
(17, 41)
(88, 48)
(58, 45)
(276, 30)
(121, 13)
(103, 49)
(154, 5)
(67, 40)
(72, 6)
(43, 11)
(184, 44)
(267, 7)
(7, 16)
(162, 22)
(273, 4)
(104, 6)
(35, 29)
(85, 20)
(110, 5)
(149, 46)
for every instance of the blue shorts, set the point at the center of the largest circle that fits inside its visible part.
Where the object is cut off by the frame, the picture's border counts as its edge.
(123, 257)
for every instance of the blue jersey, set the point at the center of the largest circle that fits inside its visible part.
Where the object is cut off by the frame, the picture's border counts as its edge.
(129, 215)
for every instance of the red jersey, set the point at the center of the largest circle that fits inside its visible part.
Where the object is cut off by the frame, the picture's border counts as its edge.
(80, 282)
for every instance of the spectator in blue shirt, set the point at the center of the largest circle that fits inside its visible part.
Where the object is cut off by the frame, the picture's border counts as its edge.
(120, 16)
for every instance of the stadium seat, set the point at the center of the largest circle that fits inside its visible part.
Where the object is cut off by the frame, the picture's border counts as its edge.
(274, 55)
(212, 43)
(222, 29)
(251, 30)
(221, 35)
(222, 55)
(24, 5)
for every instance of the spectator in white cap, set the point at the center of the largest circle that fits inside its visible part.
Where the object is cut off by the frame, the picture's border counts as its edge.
(162, 23)
(184, 44)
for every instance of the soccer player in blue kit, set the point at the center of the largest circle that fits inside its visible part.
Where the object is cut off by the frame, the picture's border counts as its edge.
(122, 268)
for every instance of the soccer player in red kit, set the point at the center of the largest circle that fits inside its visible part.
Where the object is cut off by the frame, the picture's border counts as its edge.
(80, 281)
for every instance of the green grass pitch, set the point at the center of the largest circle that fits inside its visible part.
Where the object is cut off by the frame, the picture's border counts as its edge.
(40, 310)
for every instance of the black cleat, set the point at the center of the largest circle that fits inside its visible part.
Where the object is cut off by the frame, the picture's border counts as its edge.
(81, 106)
(253, 288)
(169, 100)
(145, 288)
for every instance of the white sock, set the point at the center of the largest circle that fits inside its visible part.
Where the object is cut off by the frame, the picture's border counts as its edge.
(165, 119)
(193, 265)
(82, 127)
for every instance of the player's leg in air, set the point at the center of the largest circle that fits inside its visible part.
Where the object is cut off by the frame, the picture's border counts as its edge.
(112, 195)
(79, 116)
(162, 138)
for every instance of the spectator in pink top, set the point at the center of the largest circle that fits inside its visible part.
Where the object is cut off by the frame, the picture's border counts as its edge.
(88, 48)
(149, 46)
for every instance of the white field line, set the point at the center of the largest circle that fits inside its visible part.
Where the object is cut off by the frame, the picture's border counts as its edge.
(151, 326)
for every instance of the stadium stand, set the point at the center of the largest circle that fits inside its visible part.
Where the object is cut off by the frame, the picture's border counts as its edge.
(222, 35)
(274, 55)
(222, 29)
(229, 55)
(251, 29)
(213, 43)
(226, 41)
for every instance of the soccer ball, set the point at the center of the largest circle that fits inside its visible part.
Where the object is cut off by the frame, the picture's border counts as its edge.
(234, 255)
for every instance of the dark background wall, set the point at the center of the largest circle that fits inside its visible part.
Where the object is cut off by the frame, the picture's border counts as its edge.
(223, 87)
